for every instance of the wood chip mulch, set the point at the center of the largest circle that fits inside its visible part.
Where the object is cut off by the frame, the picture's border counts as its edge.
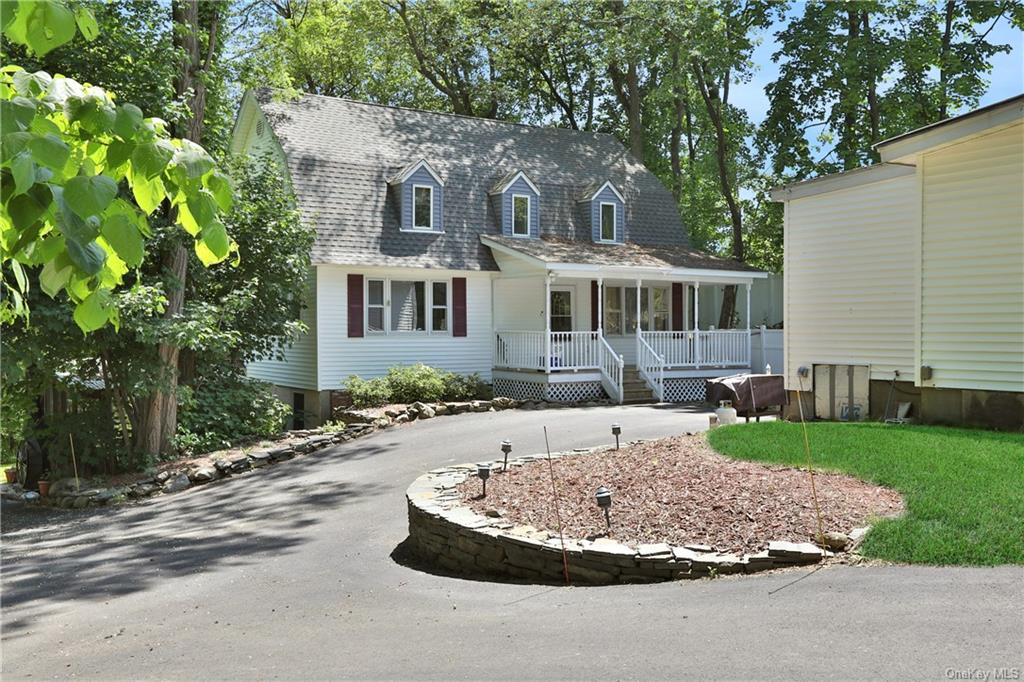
(679, 491)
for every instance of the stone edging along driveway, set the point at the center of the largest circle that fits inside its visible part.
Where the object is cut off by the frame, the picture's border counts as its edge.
(451, 535)
(63, 493)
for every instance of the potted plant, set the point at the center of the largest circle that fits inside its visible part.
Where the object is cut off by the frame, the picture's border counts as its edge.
(44, 484)
(12, 474)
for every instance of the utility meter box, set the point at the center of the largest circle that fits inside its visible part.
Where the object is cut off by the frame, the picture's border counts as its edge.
(842, 392)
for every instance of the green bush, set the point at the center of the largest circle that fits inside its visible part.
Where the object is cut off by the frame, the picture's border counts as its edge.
(223, 409)
(411, 383)
(372, 393)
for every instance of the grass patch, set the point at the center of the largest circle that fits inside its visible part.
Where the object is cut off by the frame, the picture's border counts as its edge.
(964, 488)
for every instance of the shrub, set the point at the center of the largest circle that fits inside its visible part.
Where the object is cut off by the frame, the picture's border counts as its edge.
(409, 383)
(372, 393)
(223, 409)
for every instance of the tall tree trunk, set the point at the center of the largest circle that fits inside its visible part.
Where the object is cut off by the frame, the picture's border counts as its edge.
(158, 420)
(709, 91)
(871, 78)
(848, 136)
(947, 35)
(676, 135)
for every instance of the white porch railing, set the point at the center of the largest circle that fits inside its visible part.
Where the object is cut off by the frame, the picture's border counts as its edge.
(651, 367)
(574, 350)
(700, 348)
(611, 370)
(519, 350)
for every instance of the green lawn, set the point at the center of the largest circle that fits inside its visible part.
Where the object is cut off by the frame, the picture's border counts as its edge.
(964, 488)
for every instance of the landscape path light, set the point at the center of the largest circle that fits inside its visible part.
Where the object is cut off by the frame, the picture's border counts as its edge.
(604, 501)
(483, 470)
(616, 430)
(506, 447)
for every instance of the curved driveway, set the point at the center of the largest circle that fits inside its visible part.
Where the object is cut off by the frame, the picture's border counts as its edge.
(286, 573)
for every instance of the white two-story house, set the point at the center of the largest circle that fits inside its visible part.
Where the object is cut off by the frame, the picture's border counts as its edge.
(549, 261)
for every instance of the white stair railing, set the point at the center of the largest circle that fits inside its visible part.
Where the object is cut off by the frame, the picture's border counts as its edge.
(651, 367)
(611, 364)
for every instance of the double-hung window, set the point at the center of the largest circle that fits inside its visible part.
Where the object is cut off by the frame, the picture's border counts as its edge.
(422, 207)
(609, 218)
(396, 306)
(620, 309)
(520, 215)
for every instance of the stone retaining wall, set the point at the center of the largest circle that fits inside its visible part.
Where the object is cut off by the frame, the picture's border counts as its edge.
(452, 536)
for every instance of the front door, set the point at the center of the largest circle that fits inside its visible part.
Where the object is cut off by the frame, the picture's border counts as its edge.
(561, 310)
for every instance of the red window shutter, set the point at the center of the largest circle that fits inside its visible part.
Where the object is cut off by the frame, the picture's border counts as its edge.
(355, 305)
(594, 321)
(677, 306)
(458, 306)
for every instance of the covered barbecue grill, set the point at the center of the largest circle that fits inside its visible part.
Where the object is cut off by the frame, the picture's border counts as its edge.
(752, 395)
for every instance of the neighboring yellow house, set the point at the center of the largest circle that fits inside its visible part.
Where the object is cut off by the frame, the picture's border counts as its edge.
(904, 281)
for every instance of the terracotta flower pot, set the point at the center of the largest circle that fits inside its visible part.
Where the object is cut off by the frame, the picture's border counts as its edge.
(44, 488)
(11, 474)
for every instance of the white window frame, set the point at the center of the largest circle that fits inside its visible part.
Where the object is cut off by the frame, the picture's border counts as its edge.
(421, 228)
(528, 216)
(615, 223)
(383, 305)
(649, 288)
(428, 306)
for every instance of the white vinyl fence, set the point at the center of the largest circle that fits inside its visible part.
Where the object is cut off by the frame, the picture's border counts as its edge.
(766, 349)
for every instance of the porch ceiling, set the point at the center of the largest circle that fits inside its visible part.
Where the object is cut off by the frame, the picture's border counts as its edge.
(587, 259)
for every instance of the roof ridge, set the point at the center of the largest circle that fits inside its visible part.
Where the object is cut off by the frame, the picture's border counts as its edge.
(482, 119)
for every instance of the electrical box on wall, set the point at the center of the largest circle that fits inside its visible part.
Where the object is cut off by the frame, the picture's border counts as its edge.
(842, 392)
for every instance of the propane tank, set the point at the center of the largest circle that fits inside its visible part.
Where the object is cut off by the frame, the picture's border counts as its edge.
(726, 413)
(768, 368)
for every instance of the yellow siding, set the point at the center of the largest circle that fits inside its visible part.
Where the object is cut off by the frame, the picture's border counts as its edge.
(849, 279)
(972, 263)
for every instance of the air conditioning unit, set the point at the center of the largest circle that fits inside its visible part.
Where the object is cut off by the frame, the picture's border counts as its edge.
(842, 392)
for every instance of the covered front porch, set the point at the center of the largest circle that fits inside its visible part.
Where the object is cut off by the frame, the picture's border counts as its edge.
(583, 330)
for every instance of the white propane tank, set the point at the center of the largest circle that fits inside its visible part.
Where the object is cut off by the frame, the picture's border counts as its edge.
(726, 413)
(768, 368)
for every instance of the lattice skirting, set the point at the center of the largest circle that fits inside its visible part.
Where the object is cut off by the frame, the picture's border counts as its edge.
(684, 390)
(562, 392)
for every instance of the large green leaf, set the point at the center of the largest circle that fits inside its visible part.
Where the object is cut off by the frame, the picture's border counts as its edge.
(13, 143)
(95, 311)
(148, 193)
(193, 159)
(53, 278)
(121, 233)
(213, 244)
(88, 196)
(89, 257)
(86, 23)
(50, 151)
(127, 121)
(24, 171)
(26, 209)
(42, 25)
(16, 114)
(220, 187)
(31, 84)
(150, 159)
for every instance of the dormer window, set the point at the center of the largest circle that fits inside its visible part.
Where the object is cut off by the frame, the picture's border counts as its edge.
(605, 207)
(420, 194)
(516, 203)
(422, 207)
(520, 215)
(608, 222)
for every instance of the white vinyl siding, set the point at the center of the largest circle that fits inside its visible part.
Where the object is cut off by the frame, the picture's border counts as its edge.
(972, 263)
(370, 356)
(849, 279)
(298, 369)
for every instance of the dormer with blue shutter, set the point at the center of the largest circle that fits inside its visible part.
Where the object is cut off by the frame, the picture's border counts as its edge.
(605, 207)
(516, 202)
(420, 193)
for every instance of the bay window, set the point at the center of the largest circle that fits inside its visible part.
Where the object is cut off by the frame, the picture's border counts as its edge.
(395, 306)
(620, 309)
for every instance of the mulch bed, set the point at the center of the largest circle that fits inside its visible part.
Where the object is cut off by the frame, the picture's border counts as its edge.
(679, 491)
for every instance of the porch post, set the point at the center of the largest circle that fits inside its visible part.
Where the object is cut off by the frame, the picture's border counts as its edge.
(638, 325)
(696, 325)
(547, 323)
(600, 306)
(748, 327)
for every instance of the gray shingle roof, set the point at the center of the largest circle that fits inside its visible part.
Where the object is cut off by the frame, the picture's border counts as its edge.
(556, 250)
(340, 154)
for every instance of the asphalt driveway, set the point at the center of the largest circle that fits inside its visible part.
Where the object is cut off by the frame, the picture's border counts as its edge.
(287, 573)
